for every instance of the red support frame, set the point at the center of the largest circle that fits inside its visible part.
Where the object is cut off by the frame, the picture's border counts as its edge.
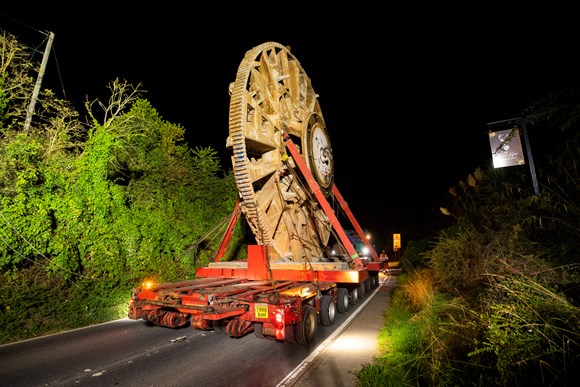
(354, 222)
(255, 267)
(229, 231)
(324, 203)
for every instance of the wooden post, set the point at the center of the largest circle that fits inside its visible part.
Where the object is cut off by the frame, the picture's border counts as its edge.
(38, 83)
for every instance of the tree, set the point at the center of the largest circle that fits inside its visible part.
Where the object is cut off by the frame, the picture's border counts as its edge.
(87, 211)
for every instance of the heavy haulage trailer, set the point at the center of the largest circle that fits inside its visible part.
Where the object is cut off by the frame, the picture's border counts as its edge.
(284, 170)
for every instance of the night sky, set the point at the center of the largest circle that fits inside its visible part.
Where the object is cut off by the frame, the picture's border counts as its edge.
(405, 94)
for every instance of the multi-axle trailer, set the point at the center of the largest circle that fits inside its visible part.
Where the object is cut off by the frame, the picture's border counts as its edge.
(290, 282)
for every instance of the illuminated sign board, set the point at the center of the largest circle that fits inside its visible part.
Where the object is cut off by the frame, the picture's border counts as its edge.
(396, 241)
(506, 148)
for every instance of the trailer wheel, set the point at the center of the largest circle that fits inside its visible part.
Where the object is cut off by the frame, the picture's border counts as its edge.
(258, 330)
(342, 300)
(362, 290)
(305, 330)
(353, 297)
(173, 320)
(290, 334)
(368, 285)
(375, 279)
(219, 326)
(327, 310)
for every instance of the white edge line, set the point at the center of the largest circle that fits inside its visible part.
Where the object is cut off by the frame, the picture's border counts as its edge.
(307, 362)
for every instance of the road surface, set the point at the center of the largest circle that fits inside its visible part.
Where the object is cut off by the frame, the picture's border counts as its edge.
(132, 353)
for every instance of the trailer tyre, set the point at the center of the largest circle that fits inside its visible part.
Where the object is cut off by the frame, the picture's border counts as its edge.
(258, 327)
(219, 326)
(362, 289)
(353, 297)
(305, 330)
(327, 310)
(342, 300)
(375, 279)
(290, 334)
(368, 285)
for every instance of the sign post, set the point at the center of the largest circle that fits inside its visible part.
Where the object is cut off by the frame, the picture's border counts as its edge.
(396, 244)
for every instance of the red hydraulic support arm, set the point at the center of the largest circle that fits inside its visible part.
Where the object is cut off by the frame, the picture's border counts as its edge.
(343, 204)
(229, 231)
(323, 202)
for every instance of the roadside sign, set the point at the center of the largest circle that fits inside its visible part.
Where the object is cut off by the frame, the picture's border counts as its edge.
(506, 148)
(396, 241)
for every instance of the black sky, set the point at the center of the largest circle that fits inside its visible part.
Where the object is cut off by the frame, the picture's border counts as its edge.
(406, 94)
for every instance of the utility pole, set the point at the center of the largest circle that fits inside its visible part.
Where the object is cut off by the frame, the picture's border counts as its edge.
(38, 83)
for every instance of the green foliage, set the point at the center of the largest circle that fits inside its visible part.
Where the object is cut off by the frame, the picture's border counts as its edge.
(33, 304)
(402, 355)
(518, 330)
(509, 258)
(16, 82)
(3, 100)
(414, 256)
(86, 214)
(25, 213)
(459, 259)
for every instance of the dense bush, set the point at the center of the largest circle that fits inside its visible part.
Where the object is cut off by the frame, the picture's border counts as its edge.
(495, 298)
(89, 211)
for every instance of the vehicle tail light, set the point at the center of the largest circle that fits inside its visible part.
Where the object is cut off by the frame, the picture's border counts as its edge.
(279, 320)
(279, 325)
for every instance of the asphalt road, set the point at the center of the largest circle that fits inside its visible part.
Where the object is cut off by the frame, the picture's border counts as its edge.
(131, 353)
(350, 348)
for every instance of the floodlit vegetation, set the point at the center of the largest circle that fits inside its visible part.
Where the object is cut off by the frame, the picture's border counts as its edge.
(493, 298)
(90, 210)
